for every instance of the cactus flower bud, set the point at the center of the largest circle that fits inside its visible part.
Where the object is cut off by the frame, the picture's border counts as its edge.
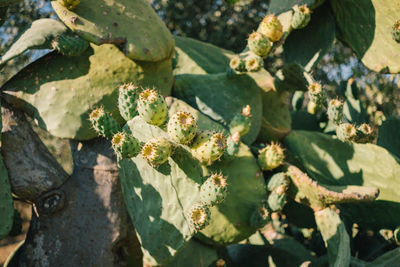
(271, 157)
(152, 107)
(335, 111)
(271, 27)
(125, 145)
(214, 190)
(346, 132)
(317, 94)
(259, 44)
(127, 100)
(182, 127)
(104, 124)
(208, 147)
(241, 122)
(238, 64)
(365, 134)
(156, 151)
(277, 200)
(199, 217)
(301, 16)
(254, 63)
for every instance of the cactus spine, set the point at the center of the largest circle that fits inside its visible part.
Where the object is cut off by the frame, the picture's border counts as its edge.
(152, 107)
(125, 146)
(199, 217)
(271, 157)
(104, 124)
(208, 147)
(214, 190)
(271, 27)
(259, 44)
(156, 151)
(301, 16)
(127, 100)
(182, 127)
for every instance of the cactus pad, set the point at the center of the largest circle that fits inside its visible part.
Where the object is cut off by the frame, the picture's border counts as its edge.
(60, 92)
(366, 27)
(133, 24)
(69, 45)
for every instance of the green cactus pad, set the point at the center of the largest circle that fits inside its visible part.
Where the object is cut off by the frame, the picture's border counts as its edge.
(307, 46)
(215, 95)
(366, 27)
(159, 199)
(38, 35)
(69, 45)
(195, 57)
(132, 24)
(230, 220)
(291, 78)
(280, 6)
(332, 162)
(276, 121)
(127, 98)
(194, 252)
(60, 92)
(336, 238)
(388, 136)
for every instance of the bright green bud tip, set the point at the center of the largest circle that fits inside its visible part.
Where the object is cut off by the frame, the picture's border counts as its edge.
(214, 190)
(182, 127)
(259, 44)
(271, 27)
(152, 107)
(104, 124)
(199, 217)
(156, 151)
(127, 100)
(125, 145)
(301, 17)
(271, 157)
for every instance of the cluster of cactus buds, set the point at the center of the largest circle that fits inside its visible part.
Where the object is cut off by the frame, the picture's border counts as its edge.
(347, 132)
(396, 31)
(182, 127)
(127, 100)
(301, 16)
(238, 64)
(152, 107)
(271, 27)
(271, 157)
(214, 190)
(104, 123)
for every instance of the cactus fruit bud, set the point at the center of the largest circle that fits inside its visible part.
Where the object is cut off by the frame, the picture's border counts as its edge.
(125, 145)
(214, 190)
(254, 63)
(70, 4)
(271, 27)
(396, 31)
(271, 157)
(238, 64)
(69, 45)
(277, 199)
(233, 144)
(152, 107)
(301, 16)
(346, 132)
(317, 94)
(241, 122)
(259, 44)
(156, 151)
(335, 111)
(208, 147)
(364, 134)
(278, 180)
(260, 217)
(128, 95)
(182, 127)
(104, 124)
(199, 217)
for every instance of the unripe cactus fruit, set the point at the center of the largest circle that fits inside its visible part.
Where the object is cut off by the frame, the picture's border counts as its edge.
(127, 100)
(233, 144)
(335, 111)
(152, 107)
(278, 180)
(241, 122)
(70, 4)
(271, 157)
(365, 134)
(277, 199)
(208, 147)
(125, 146)
(69, 45)
(396, 31)
(259, 44)
(301, 16)
(254, 63)
(214, 190)
(199, 217)
(104, 124)
(156, 151)
(271, 27)
(238, 64)
(346, 132)
(316, 94)
(182, 127)
(260, 217)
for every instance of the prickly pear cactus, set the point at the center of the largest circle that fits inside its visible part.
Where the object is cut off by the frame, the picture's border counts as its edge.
(111, 22)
